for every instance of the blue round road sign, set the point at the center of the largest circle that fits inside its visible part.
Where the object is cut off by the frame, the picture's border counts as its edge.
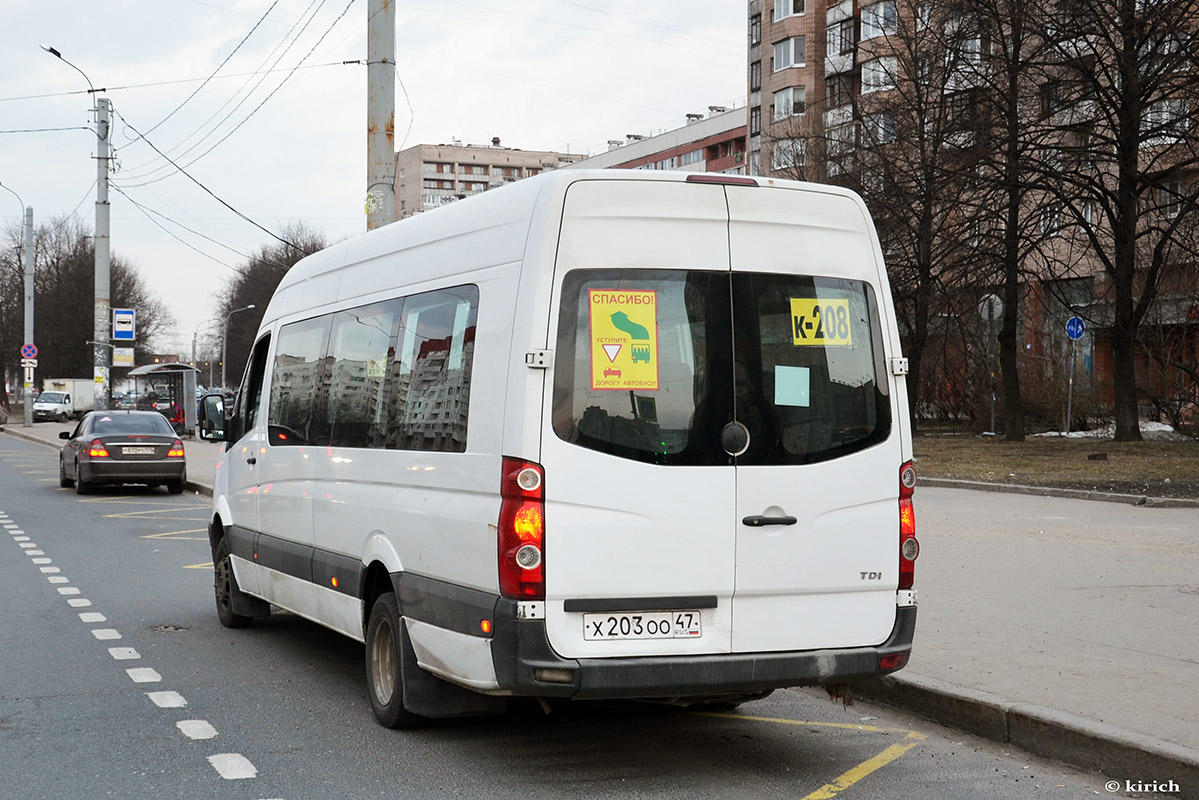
(1075, 327)
(29, 351)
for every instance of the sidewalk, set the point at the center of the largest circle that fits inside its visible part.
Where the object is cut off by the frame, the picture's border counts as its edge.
(1052, 622)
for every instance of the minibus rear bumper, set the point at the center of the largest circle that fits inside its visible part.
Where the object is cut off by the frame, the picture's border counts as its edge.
(525, 664)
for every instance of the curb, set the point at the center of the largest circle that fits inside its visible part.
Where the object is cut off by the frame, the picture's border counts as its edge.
(1049, 491)
(188, 486)
(1046, 732)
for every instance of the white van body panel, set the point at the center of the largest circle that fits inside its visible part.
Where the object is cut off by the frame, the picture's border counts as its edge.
(813, 584)
(617, 530)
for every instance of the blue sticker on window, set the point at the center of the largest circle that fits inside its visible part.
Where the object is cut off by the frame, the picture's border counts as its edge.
(792, 386)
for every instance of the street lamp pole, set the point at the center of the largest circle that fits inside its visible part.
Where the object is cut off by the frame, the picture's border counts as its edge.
(28, 270)
(225, 343)
(102, 357)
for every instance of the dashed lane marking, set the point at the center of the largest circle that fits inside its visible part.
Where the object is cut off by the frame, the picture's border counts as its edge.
(232, 766)
(196, 729)
(144, 675)
(124, 654)
(105, 634)
(167, 699)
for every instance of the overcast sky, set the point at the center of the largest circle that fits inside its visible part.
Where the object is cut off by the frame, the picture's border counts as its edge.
(279, 131)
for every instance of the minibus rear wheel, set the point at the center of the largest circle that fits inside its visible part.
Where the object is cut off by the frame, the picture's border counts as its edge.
(384, 665)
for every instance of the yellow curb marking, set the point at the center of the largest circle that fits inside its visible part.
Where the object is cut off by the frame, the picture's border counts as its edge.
(200, 566)
(852, 776)
(177, 537)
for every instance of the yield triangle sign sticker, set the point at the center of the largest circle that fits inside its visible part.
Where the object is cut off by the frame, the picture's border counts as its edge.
(612, 350)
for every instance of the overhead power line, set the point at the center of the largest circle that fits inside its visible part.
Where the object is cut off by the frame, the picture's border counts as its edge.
(211, 193)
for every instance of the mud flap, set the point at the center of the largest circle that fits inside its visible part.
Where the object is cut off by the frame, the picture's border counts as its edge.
(244, 604)
(429, 696)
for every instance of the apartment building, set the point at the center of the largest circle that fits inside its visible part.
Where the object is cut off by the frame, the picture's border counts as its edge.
(431, 175)
(818, 87)
(715, 143)
(787, 81)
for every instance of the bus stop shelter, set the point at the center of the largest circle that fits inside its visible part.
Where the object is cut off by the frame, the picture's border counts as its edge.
(180, 383)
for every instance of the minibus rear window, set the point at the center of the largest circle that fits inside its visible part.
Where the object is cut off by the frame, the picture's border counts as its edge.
(652, 364)
(638, 372)
(809, 360)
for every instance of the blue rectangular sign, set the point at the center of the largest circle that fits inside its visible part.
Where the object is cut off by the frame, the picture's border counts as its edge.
(122, 324)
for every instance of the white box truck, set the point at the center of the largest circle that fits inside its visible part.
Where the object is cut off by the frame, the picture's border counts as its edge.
(63, 399)
(595, 434)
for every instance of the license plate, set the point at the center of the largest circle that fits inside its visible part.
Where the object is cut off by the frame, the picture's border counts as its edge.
(642, 625)
(137, 451)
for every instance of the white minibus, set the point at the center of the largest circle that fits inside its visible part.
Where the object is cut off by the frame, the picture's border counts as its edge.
(594, 434)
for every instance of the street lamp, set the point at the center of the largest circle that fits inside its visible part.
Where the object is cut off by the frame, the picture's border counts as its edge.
(195, 355)
(27, 421)
(225, 342)
(102, 358)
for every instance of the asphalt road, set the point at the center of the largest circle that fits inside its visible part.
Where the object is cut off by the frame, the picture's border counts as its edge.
(116, 680)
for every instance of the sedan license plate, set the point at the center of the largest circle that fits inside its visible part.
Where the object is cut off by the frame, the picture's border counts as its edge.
(642, 625)
(137, 451)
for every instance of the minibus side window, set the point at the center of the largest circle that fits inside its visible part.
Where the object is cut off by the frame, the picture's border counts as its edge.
(293, 416)
(361, 346)
(249, 395)
(429, 378)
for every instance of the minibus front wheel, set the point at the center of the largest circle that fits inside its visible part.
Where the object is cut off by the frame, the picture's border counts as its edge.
(225, 584)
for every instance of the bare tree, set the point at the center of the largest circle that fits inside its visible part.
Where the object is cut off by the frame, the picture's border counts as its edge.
(908, 144)
(63, 300)
(1128, 75)
(254, 284)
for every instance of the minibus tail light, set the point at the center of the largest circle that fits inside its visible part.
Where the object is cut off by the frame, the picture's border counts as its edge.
(522, 530)
(97, 449)
(909, 548)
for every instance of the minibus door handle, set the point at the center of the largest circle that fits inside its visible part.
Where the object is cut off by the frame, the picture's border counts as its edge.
(251, 461)
(759, 520)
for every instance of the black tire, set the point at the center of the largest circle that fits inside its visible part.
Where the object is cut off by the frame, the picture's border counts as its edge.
(80, 486)
(174, 487)
(224, 582)
(63, 480)
(384, 665)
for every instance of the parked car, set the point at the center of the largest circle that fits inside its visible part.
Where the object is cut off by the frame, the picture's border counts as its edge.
(114, 447)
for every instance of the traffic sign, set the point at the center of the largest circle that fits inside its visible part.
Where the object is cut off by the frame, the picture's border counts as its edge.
(1075, 328)
(29, 363)
(990, 308)
(122, 324)
(29, 350)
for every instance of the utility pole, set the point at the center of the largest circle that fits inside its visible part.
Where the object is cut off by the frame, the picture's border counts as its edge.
(101, 327)
(28, 423)
(380, 113)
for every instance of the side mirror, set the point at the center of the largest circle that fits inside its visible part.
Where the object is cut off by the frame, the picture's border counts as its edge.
(64, 435)
(211, 423)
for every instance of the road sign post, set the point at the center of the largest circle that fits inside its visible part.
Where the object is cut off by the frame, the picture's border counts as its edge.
(1075, 328)
(991, 308)
(28, 362)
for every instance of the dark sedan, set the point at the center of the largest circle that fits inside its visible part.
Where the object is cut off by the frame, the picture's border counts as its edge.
(116, 447)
